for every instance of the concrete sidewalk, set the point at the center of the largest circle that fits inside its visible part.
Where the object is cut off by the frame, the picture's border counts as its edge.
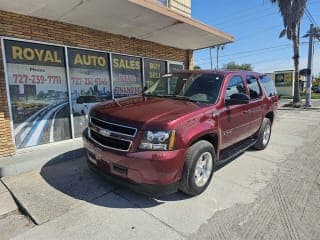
(28, 159)
(67, 201)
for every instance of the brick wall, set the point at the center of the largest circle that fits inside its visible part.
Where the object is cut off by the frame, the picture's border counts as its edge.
(25, 27)
(6, 145)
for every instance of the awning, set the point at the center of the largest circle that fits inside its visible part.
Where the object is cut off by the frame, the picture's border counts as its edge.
(141, 19)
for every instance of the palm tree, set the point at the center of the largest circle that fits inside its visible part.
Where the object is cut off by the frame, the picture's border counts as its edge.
(292, 11)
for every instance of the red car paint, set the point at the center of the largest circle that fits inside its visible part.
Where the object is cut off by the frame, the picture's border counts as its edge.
(190, 120)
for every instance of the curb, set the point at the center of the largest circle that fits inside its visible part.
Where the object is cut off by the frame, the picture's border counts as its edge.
(299, 109)
(8, 204)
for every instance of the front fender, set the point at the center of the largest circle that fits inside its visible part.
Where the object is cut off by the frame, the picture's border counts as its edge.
(188, 134)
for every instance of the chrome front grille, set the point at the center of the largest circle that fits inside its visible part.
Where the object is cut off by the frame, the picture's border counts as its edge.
(111, 135)
(113, 127)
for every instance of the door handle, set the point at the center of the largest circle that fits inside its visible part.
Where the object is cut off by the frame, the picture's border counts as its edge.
(246, 112)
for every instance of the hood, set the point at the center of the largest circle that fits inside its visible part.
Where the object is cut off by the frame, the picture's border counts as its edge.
(141, 110)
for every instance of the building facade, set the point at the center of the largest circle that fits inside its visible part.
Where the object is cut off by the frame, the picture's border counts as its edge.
(55, 68)
(180, 6)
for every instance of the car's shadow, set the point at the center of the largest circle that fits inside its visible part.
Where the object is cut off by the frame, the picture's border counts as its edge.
(70, 174)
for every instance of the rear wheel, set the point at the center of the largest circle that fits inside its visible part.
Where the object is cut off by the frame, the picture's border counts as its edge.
(198, 169)
(263, 135)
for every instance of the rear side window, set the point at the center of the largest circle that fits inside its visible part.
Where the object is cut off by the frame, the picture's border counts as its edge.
(235, 85)
(254, 89)
(268, 86)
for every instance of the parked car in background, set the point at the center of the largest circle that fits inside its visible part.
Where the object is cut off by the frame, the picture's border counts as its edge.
(316, 89)
(172, 137)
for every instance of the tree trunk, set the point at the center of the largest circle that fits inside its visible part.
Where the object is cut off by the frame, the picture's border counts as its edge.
(296, 94)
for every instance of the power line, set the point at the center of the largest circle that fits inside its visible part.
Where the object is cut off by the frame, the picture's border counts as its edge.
(204, 61)
(239, 13)
(246, 12)
(243, 37)
(267, 60)
(250, 51)
(244, 56)
(239, 57)
(309, 15)
(245, 20)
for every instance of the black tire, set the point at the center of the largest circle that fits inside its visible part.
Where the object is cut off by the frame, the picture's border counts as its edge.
(188, 183)
(262, 141)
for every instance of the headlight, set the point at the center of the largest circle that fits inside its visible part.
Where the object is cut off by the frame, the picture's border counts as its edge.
(158, 140)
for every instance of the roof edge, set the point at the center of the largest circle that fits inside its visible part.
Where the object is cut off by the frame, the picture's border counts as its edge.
(182, 18)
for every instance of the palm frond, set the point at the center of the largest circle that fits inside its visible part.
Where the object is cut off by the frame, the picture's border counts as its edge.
(291, 11)
(282, 33)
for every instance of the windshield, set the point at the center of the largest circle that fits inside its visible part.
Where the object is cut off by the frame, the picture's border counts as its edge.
(198, 87)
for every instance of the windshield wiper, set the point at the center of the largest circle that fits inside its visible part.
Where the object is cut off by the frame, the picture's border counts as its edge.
(157, 95)
(150, 94)
(179, 97)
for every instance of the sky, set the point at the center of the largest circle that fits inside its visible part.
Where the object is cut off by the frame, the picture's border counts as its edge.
(255, 25)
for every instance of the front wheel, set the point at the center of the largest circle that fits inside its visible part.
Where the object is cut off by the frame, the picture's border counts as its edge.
(198, 169)
(263, 135)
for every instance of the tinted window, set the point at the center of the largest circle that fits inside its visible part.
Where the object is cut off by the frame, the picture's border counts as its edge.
(268, 86)
(254, 89)
(205, 88)
(235, 85)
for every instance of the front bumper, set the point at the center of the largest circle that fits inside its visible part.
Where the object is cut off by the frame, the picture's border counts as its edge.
(150, 172)
(147, 189)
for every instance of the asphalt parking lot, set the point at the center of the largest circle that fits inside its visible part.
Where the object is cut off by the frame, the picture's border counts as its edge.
(270, 194)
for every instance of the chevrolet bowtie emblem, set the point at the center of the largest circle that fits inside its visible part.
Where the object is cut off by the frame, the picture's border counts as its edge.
(105, 132)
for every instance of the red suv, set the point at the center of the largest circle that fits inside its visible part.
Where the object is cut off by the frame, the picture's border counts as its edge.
(173, 135)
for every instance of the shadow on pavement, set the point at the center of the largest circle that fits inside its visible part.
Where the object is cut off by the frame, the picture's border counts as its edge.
(69, 173)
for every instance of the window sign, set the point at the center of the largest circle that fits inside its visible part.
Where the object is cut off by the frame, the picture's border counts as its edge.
(284, 79)
(38, 91)
(126, 75)
(89, 83)
(153, 70)
(174, 67)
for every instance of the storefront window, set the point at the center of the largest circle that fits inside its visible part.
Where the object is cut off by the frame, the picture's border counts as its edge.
(36, 75)
(174, 67)
(38, 91)
(126, 75)
(89, 84)
(153, 70)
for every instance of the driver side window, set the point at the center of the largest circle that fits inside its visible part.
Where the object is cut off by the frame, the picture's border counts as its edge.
(235, 85)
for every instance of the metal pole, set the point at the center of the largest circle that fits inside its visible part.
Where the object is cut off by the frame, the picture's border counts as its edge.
(211, 57)
(309, 76)
(218, 47)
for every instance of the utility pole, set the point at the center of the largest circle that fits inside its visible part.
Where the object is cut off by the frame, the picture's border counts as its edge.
(218, 48)
(311, 35)
(211, 58)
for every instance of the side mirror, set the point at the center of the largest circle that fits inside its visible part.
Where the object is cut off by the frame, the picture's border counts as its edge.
(237, 98)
